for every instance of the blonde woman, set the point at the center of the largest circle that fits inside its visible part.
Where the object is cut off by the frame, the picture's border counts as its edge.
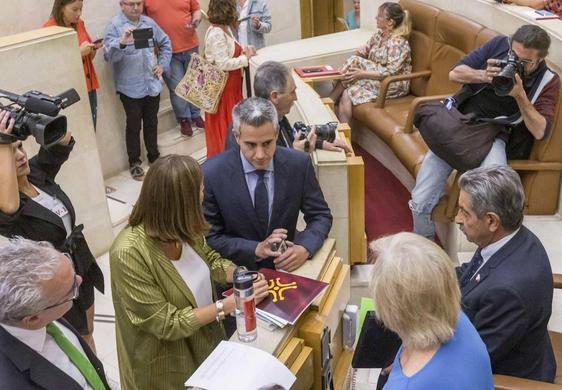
(416, 294)
(387, 53)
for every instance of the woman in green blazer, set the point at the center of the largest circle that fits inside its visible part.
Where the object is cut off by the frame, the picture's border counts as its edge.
(167, 316)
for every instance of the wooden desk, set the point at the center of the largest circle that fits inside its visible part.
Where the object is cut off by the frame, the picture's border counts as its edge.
(298, 346)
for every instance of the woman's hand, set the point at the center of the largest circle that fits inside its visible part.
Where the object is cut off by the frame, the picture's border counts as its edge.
(86, 48)
(249, 51)
(353, 74)
(260, 288)
(6, 123)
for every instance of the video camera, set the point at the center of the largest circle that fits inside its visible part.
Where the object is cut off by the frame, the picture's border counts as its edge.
(326, 132)
(36, 114)
(504, 82)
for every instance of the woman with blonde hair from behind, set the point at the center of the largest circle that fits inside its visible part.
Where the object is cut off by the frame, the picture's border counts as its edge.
(416, 294)
(387, 53)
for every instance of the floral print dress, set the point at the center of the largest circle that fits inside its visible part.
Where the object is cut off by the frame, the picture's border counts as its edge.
(384, 53)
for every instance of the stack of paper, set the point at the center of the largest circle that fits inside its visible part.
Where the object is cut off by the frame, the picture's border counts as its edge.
(237, 366)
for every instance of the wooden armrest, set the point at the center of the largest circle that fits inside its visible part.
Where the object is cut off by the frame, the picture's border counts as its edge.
(535, 165)
(505, 382)
(409, 126)
(385, 84)
(557, 280)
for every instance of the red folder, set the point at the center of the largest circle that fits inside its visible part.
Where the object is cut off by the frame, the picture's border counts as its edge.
(289, 295)
(315, 71)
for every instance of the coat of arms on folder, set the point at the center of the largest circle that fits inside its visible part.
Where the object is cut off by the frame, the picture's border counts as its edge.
(289, 296)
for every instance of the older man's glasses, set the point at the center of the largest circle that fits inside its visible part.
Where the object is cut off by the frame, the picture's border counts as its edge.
(75, 289)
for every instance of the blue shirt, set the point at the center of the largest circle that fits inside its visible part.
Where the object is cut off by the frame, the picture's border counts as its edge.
(460, 364)
(252, 180)
(132, 68)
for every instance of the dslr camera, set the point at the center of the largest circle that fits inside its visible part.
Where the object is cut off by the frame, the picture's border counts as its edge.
(36, 113)
(504, 82)
(326, 132)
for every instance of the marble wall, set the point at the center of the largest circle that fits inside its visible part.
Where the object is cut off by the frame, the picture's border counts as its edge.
(48, 60)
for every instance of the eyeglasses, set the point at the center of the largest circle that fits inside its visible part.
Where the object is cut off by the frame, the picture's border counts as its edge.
(132, 4)
(75, 289)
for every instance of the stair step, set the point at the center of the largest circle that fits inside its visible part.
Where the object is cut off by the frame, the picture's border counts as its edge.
(122, 190)
(173, 142)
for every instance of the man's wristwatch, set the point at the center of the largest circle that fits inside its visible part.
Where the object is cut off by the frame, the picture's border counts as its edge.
(220, 310)
(7, 139)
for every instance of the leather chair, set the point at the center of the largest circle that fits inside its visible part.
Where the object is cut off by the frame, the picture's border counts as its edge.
(439, 39)
(505, 382)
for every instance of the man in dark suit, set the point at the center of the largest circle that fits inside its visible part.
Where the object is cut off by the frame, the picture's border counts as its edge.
(507, 286)
(253, 195)
(39, 349)
(273, 81)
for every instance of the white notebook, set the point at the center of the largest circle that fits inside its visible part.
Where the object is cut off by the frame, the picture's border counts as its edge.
(237, 366)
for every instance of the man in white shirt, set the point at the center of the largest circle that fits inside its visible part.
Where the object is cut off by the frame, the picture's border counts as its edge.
(39, 349)
(507, 286)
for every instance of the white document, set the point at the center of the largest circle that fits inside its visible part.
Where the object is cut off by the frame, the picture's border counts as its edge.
(240, 367)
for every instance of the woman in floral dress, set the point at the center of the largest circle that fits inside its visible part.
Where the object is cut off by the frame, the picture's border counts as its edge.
(387, 53)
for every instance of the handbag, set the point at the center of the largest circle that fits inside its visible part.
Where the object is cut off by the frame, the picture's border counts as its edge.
(203, 84)
(462, 140)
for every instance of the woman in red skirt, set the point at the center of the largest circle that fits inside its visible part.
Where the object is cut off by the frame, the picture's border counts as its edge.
(222, 50)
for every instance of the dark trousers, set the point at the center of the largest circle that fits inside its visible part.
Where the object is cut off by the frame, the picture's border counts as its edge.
(141, 111)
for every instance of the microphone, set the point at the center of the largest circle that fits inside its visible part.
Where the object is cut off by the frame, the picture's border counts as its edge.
(31, 103)
(39, 106)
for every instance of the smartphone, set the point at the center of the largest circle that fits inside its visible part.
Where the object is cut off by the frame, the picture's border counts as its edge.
(98, 41)
(143, 33)
(313, 70)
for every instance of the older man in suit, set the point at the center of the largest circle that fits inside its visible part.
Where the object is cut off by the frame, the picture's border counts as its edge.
(39, 349)
(253, 195)
(507, 286)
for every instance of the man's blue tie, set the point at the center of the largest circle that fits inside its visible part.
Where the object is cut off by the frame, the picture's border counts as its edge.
(261, 201)
(476, 262)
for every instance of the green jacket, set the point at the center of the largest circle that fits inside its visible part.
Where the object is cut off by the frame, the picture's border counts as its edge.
(160, 342)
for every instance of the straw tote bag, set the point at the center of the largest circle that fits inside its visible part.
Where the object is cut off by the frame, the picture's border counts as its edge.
(202, 84)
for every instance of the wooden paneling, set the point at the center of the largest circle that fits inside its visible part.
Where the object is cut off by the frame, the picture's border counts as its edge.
(319, 17)
(356, 183)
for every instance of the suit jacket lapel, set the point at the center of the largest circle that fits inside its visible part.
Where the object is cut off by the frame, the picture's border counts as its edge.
(493, 262)
(41, 371)
(281, 186)
(239, 186)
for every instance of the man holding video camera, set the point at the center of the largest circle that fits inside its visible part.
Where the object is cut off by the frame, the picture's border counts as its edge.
(253, 196)
(509, 88)
(140, 53)
(273, 81)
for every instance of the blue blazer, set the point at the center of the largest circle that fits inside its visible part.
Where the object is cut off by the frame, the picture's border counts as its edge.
(235, 230)
(509, 302)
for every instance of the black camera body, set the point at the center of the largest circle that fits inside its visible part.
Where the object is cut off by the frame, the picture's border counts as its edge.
(504, 82)
(326, 132)
(36, 114)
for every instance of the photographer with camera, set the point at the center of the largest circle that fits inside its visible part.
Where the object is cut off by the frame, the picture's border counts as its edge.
(33, 206)
(273, 81)
(506, 103)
